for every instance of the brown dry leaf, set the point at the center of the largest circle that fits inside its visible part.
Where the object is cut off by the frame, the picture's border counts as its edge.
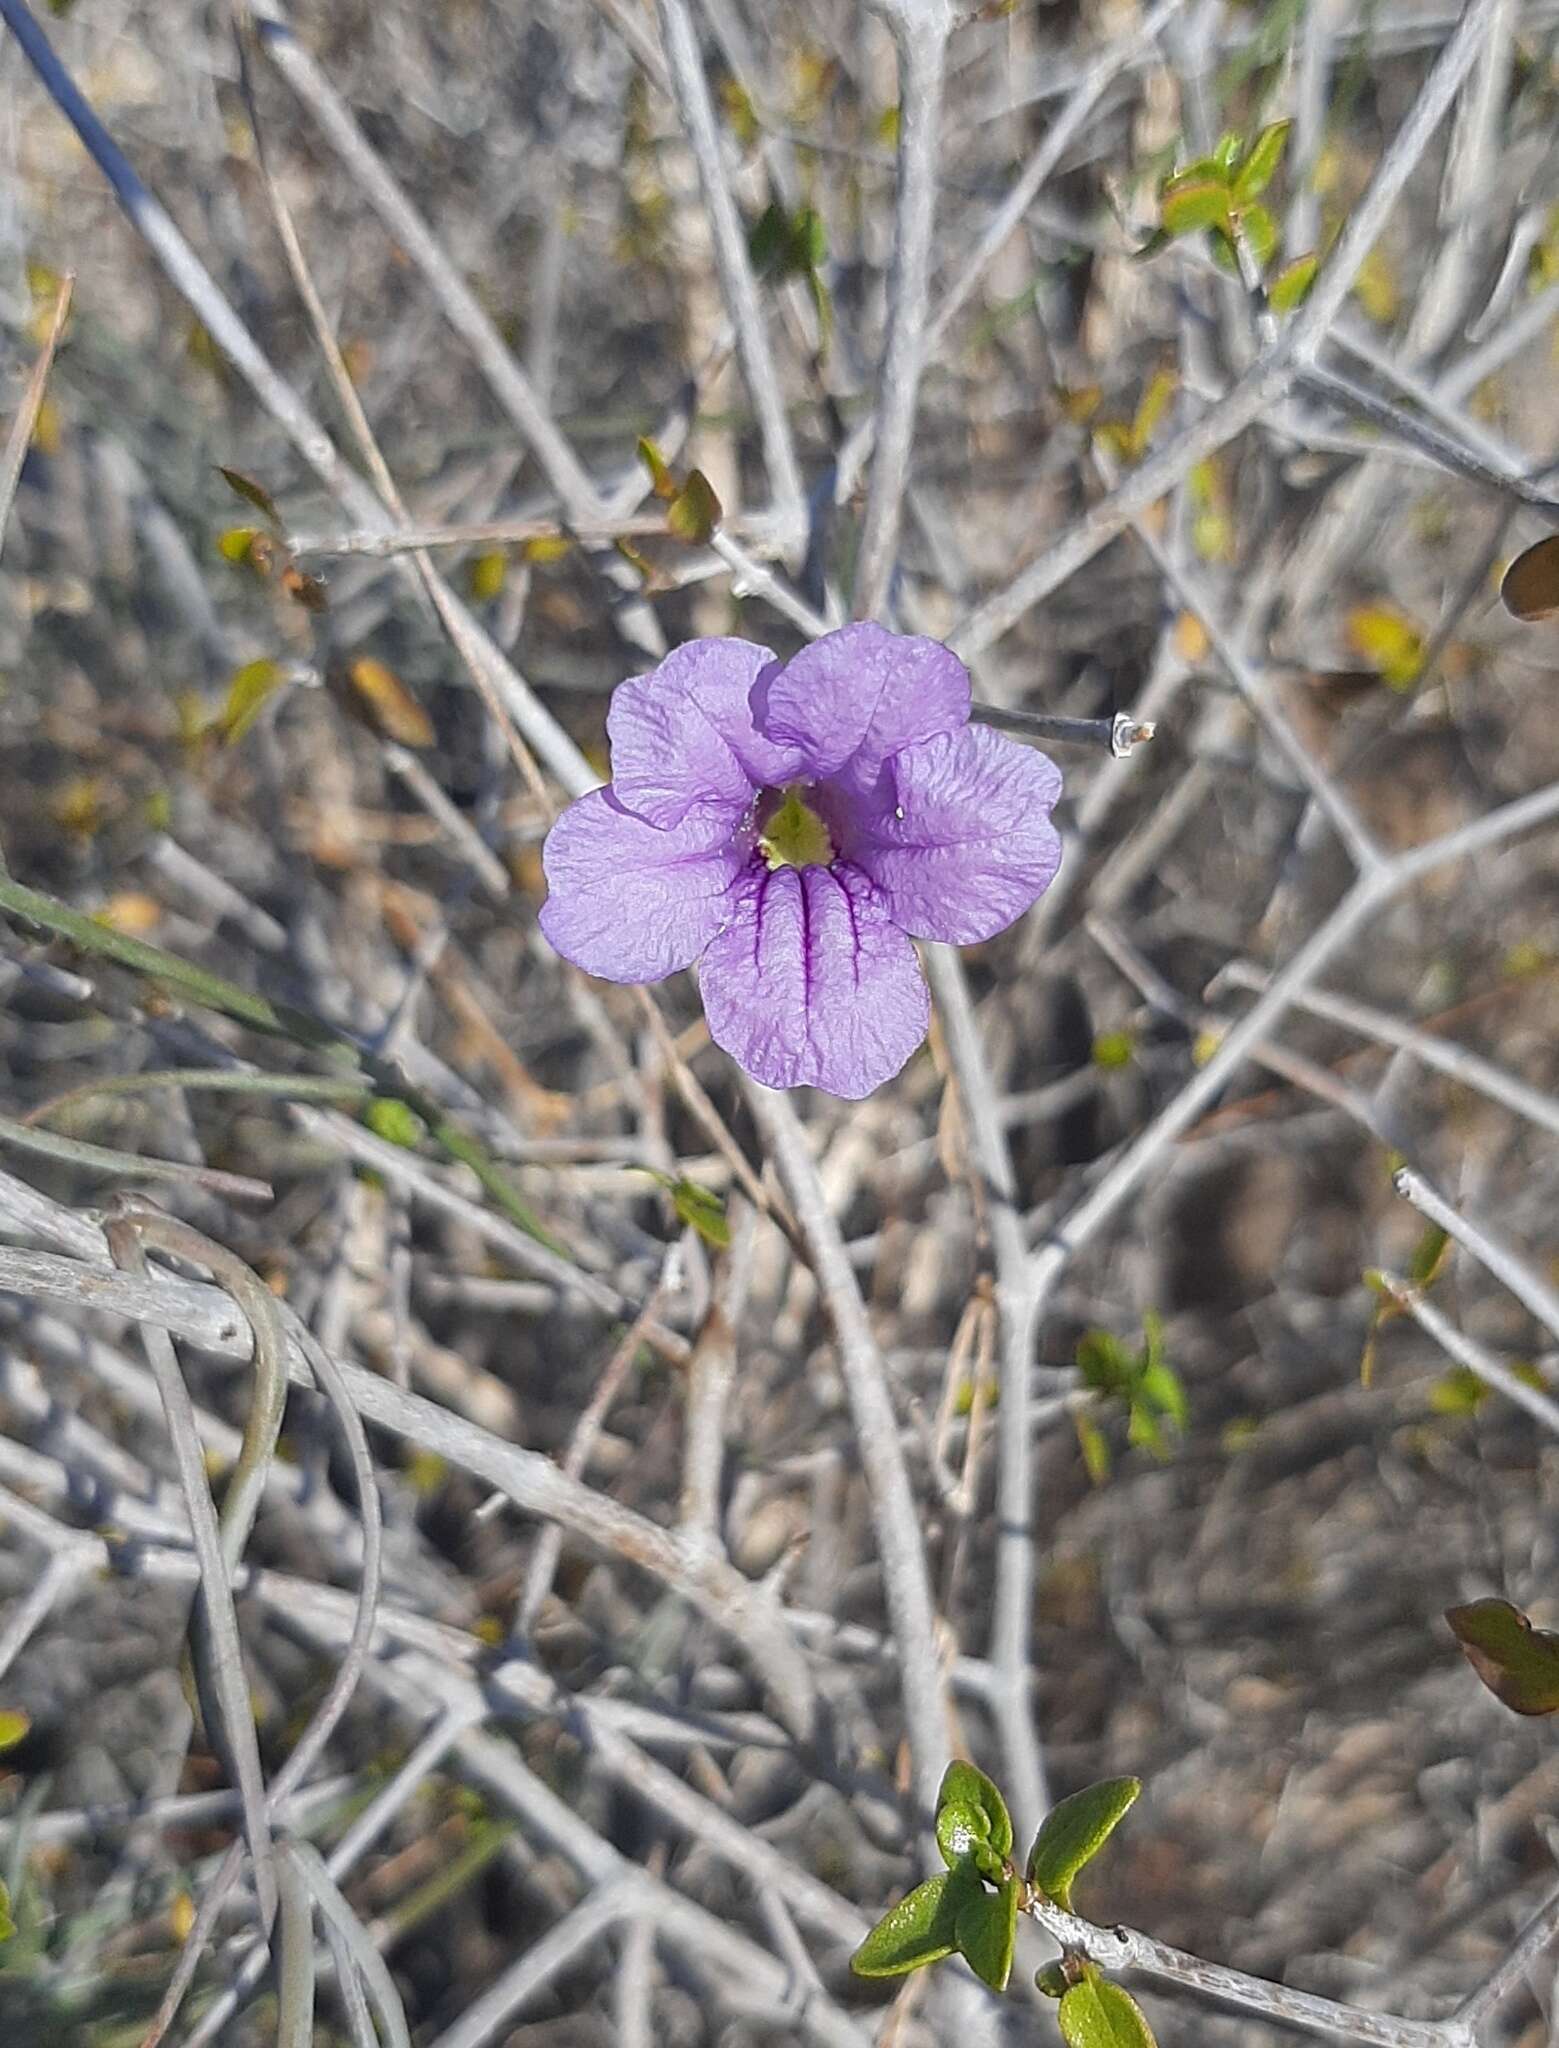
(383, 701)
(1529, 589)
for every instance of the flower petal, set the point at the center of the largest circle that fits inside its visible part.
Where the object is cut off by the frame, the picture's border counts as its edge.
(854, 697)
(811, 984)
(684, 733)
(627, 902)
(958, 835)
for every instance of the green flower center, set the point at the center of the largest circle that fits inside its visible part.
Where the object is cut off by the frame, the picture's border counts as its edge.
(793, 835)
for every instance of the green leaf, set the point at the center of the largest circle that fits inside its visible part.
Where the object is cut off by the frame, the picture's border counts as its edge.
(7, 1924)
(968, 1793)
(697, 1206)
(1459, 1392)
(1104, 1362)
(695, 511)
(767, 239)
(1291, 286)
(987, 1928)
(1260, 232)
(702, 1210)
(1429, 1256)
(920, 1929)
(1098, 2014)
(1517, 1662)
(1074, 1832)
(1162, 1387)
(13, 1726)
(235, 544)
(1255, 174)
(1094, 1446)
(1226, 150)
(1203, 204)
(662, 482)
(1053, 1979)
(1114, 1049)
(394, 1121)
(251, 493)
(248, 692)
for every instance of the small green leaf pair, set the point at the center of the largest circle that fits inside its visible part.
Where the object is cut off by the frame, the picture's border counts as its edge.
(974, 1908)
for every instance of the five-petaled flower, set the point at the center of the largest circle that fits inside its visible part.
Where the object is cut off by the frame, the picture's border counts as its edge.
(791, 826)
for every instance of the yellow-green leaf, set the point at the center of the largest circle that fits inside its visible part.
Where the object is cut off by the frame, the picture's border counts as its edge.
(1256, 172)
(248, 693)
(1291, 286)
(1260, 234)
(1073, 1833)
(394, 1121)
(695, 511)
(236, 543)
(1517, 1662)
(1095, 1448)
(7, 1924)
(702, 1210)
(1390, 643)
(662, 482)
(1201, 204)
(488, 573)
(1429, 1256)
(13, 1726)
(1161, 388)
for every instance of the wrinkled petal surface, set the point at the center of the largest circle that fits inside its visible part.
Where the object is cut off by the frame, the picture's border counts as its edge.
(627, 902)
(854, 697)
(812, 984)
(973, 846)
(684, 734)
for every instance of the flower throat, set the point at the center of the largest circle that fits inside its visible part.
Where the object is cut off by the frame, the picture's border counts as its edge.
(793, 835)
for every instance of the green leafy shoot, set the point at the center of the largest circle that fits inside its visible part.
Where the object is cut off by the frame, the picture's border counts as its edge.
(1095, 2013)
(1141, 1381)
(1220, 195)
(974, 1908)
(1073, 1833)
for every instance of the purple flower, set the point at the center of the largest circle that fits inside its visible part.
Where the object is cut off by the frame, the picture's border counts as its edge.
(791, 826)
